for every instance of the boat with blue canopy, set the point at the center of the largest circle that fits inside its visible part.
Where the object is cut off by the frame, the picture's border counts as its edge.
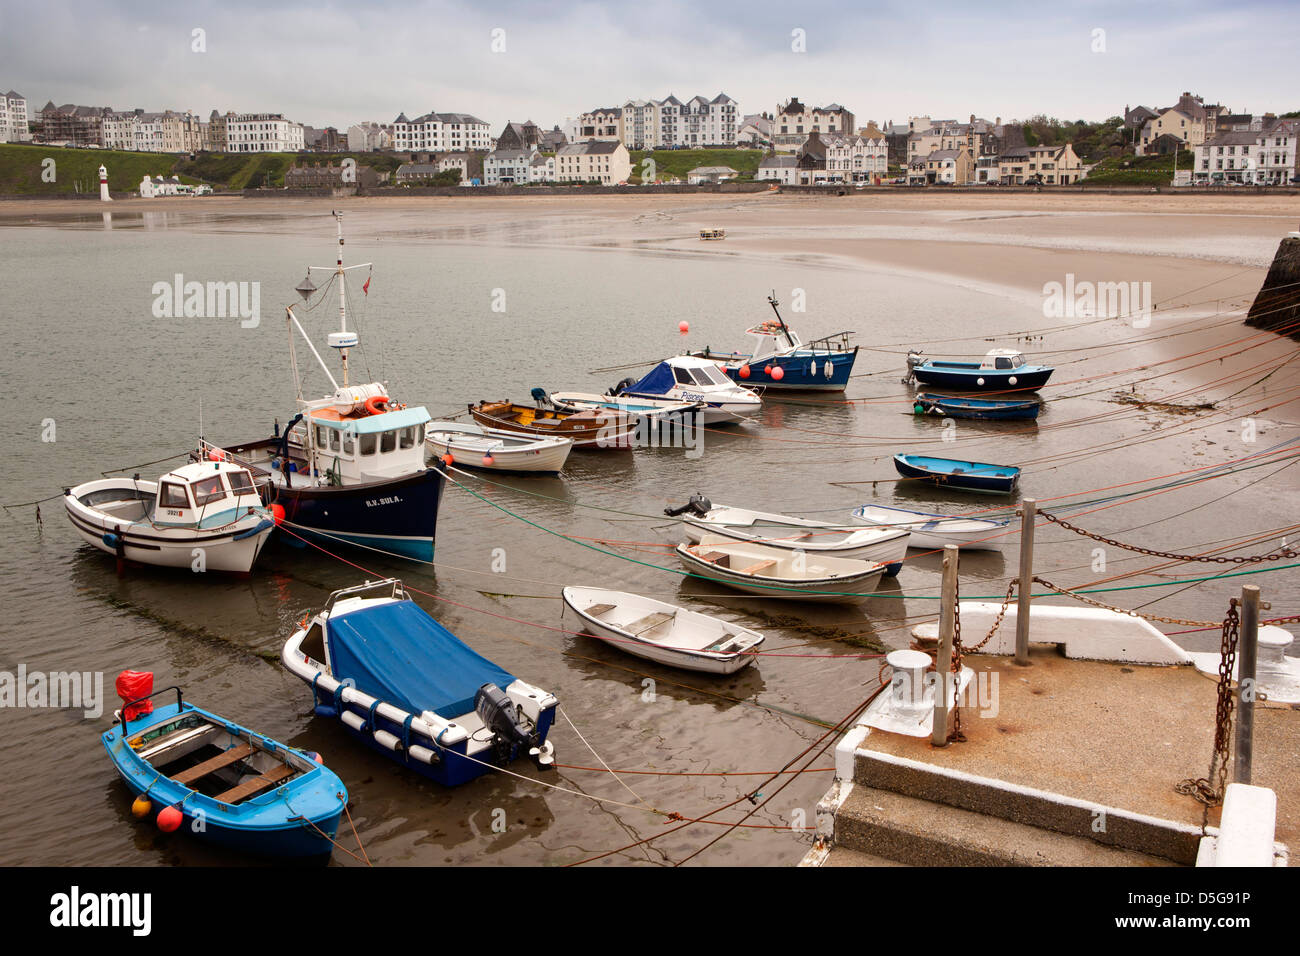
(1001, 370)
(348, 468)
(980, 409)
(405, 686)
(780, 359)
(224, 783)
(965, 475)
(684, 378)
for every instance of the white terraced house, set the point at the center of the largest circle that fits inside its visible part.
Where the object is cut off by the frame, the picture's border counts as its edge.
(14, 119)
(639, 124)
(794, 123)
(263, 133)
(440, 132)
(507, 167)
(698, 122)
(369, 137)
(859, 158)
(595, 159)
(1266, 155)
(601, 124)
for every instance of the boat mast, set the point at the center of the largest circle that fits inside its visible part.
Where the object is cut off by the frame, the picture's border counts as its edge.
(771, 300)
(343, 340)
(343, 308)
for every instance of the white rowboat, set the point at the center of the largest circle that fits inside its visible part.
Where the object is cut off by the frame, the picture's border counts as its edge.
(664, 632)
(935, 530)
(477, 447)
(780, 573)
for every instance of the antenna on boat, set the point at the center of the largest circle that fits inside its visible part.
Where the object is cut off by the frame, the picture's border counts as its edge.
(342, 339)
(771, 300)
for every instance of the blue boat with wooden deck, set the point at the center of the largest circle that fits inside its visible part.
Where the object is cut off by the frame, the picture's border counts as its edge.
(779, 359)
(964, 475)
(1003, 370)
(984, 409)
(226, 784)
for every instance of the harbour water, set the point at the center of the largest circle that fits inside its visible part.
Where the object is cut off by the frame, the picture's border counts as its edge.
(464, 307)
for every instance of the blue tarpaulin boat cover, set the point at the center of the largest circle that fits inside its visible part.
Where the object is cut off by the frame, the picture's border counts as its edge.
(659, 382)
(398, 654)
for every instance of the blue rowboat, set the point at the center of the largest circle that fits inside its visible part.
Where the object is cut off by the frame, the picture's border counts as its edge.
(232, 786)
(949, 406)
(966, 475)
(405, 686)
(1003, 370)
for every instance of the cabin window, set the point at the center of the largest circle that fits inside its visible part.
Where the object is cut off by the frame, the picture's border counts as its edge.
(173, 496)
(334, 440)
(408, 437)
(368, 444)
(349, 444)
(387, 442)
(1002, 362)
(241, 483)
(683, 376)
(313, 644)
(322, 436)
(209, 490)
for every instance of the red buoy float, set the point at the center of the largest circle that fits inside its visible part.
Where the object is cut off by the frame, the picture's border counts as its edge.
(169, 819)
(778, 373)
(744, 371)
(683, 326)
(448, 460)
(277, 514)
(488, 461)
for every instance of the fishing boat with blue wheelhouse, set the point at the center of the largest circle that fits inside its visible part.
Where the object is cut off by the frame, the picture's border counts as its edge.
(964, 475)
(350, 467)
(229, 785)
(405, 686)
(1002, 370)
(780, 359)
(979, 409)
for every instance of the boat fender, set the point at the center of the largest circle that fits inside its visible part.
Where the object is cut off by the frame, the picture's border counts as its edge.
(622, 386)
(390, 741)
(277, 514)
(812, 368)
(448, 459)
(169, 819)
(424, 754)
(110, 540)
(318, 708)
(891, 570)
(778, 373)
(488, 461)
(140, 807)
(918, 409)
(355, 721)
(261, 526)
(1012, 380)
(744, 371)
(828, 369)
(980, 380)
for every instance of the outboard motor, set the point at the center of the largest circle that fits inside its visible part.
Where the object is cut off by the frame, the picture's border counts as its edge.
(510, 727)
(542, 398)
(621, 387)
(698, 505)
(914, 358)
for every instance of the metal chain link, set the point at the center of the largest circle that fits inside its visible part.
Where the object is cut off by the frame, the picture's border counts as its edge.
(1173, 556)
(1209, 790)
(956, 736)
(997, 622)
(1146, 617)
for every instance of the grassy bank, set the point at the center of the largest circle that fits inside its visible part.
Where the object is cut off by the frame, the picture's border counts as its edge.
(676, 163)
(1138, 170)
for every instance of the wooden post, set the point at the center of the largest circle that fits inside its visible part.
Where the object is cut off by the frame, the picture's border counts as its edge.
(1028, 510)
(947, 632)
(1244, 746)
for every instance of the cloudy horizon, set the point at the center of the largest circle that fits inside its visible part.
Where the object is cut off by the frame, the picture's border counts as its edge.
(330, 66)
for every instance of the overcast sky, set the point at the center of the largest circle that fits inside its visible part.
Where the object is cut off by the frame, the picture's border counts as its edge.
(328, 64)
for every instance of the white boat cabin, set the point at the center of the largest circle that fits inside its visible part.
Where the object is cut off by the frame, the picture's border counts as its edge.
(1002, 360)
(205, 494)
(359, 435)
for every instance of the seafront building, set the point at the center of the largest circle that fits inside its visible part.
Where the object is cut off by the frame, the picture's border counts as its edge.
(440, 132)
(15, 123)
(1248, 150)
(603, 161)
(794, 123)
(670, 123)
(370, 137)
(263, 133)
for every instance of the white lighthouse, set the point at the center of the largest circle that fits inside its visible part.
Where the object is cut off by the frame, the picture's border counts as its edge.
(103, 185)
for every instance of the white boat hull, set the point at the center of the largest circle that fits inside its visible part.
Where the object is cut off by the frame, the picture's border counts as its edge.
(543, 455)
(878, 546)
(935, 532)
(617, 624)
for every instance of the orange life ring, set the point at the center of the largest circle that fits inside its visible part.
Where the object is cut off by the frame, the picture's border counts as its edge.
(373, 403)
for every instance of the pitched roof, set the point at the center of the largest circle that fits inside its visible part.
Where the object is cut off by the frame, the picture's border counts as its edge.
(590, 148)
(784, 161)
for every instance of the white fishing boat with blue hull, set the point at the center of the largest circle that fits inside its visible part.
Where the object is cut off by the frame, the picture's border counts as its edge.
(201, 517)
(224, 783)
(349, 468)
(406, 687)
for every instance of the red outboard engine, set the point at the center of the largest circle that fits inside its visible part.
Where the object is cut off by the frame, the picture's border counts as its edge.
(133, 685)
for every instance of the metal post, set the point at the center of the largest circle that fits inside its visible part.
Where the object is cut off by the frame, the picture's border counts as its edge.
(947, 631)
(1244, 746)
(1029, 508)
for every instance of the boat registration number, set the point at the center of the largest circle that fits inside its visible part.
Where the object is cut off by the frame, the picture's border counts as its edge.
(380, 502)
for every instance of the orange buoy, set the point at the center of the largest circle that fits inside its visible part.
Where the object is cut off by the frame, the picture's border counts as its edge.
(744, 371)
(169, 819)
(683, 326)
(216, 455)
(488, 461)
(141, 807)
(778, 373)
(277, 514)
(373, 404)
(448, 460)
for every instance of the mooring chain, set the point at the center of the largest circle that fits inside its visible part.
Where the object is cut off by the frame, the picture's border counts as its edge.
(1206, 559)
(1208, 790)
(956, 736)
(1119, 610)
(997, 621)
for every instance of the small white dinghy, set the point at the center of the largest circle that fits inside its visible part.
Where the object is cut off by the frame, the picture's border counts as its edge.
(935, 530)
(664, 632)
(781, 573)
(474, 446)
(205, 516)
(887, 546)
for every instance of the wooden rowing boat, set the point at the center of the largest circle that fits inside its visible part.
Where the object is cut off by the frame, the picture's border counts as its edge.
(591, 428)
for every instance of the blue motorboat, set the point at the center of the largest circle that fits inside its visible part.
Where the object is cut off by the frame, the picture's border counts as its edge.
(226, 784)
(405, 686)
(1003, 370)
(823, 365)
(686, 378)
(965, 475)
(950, 406)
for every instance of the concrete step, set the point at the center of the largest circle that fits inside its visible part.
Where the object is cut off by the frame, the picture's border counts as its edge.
(846, 856)
(921, 833)
(1040, 809)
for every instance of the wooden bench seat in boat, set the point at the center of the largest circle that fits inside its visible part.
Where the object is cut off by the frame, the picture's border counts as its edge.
(255, 785)
(760, 566)
(720, 558)
(213, 764)
(596, 610)
(649, 622)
